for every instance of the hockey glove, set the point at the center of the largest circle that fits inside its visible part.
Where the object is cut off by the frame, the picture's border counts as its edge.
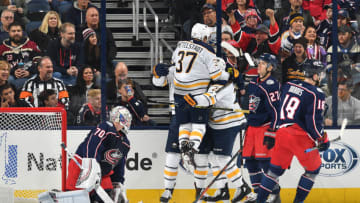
(269, 138)
(323, 143)
(233, 72)
(190, 100)
(161, 69)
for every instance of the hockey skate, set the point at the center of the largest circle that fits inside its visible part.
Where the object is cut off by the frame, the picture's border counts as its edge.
(250, 198)
(166, 195)
(273, 198)
(241, 192)
(220, 194)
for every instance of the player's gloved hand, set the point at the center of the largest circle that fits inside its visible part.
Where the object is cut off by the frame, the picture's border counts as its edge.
(323, 142)
(161, 69)
(233, 72)
(190, 100)
(269, 138)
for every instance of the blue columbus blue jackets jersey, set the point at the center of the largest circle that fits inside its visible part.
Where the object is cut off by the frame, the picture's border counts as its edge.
(302, 104)
(263, 102)
(109, 147)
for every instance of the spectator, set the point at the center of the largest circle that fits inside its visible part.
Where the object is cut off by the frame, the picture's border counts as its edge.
(264, 41)
(324, 28)
(76, 14)
(226, 36)
(314, 49)
(121, 74)
(79, 93)
(48, 30)
(90, 113)
(92, 21)
(348, 55)
(7, 17)
(61, 6)
(18, 7)
(295, 32)
(48, 98)
(44, 81)
(291, 66)
(21, 54)
(134, 105)
(4, 73)
(242, 7)
(8, 96)
(316, 8)
(91, 52)
(343, 18)
(209, 17)
(295, 7)
(65, 54)
(348, 106)
(252, 19)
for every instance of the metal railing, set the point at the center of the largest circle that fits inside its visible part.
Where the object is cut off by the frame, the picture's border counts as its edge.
(154, 40)
(135, 19)
(168, 47)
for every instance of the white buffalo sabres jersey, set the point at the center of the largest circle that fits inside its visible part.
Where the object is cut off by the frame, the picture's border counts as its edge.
(221, 119)
(196, 65)
(162, 81)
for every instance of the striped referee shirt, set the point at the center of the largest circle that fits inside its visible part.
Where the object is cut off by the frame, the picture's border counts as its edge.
(34, 86)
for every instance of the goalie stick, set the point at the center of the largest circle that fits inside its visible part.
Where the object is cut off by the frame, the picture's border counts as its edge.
(98, 189)
(342, 129)
(218, 175)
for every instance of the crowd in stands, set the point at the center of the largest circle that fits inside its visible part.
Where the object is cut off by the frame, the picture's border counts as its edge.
(50, 56)
(55, 50)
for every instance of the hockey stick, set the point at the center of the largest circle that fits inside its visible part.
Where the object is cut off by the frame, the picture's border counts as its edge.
(160, 102)
(217, 176)
(98, 189)
(342, 129)
(225, 109)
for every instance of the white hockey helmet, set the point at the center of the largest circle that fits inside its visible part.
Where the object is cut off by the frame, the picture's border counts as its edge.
(200, 31)
(121, 115)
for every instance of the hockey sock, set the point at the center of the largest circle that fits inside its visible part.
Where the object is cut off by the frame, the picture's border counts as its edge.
(171, 169)
(255, 173)
(197, 133)
(267, 184)
(264, 165)
(215, 168)
(201, 171)
(304, 187)
(184, 133)
(232, 171)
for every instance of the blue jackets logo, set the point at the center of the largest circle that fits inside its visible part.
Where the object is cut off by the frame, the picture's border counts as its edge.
(339, 159)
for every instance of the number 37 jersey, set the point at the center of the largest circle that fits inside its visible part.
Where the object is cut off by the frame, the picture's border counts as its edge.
(196, 65)
(302, 104)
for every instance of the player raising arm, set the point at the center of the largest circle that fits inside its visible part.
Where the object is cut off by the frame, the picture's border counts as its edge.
(108, 144)
(300, 127)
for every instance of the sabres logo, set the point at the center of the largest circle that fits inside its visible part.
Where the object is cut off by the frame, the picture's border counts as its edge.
(254, 102)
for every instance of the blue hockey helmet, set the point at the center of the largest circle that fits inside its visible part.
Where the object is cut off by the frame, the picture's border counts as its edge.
(312, 67)
(269, 59)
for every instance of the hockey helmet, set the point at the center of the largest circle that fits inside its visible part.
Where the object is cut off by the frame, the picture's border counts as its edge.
(269, 59)
(200, 31)
(121, 115)
(311, 67)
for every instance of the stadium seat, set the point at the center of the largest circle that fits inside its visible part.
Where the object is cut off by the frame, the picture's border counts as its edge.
(32, 26)
(37, 9)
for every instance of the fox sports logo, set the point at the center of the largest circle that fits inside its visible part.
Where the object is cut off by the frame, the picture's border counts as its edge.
(339, 159)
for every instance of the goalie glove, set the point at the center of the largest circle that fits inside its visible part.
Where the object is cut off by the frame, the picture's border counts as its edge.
(118, 194)
(161, 69)
(269, 138)
(323, 143)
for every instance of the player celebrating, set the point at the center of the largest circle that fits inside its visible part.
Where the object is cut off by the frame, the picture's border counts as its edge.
(163, 75)
(300, 126)
(196, 65)
(263, 103)
(108, 144)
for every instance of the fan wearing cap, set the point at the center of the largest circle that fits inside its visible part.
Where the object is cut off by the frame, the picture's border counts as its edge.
(264, 40)
(91, 52)
(209, 17)
(348, 54)
(244, 7)
(343, 18)
(295, 31)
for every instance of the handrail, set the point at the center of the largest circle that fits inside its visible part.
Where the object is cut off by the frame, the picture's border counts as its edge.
(164, 42)
(135, 19)
(154, 40)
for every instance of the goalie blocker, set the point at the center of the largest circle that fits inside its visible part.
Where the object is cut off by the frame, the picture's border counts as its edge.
(108, 144)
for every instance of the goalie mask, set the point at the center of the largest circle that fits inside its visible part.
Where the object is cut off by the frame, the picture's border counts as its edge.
(200, 31)
(121, 115)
